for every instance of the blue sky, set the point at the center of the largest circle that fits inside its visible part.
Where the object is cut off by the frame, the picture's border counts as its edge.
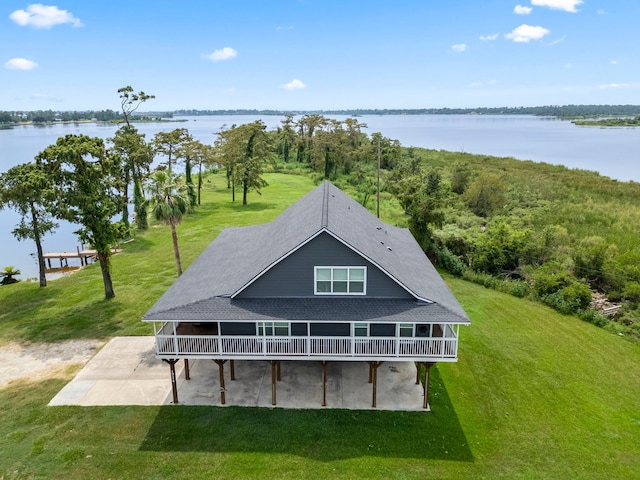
(319, 54)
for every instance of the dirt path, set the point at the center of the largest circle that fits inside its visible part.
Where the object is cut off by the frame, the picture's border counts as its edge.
(36, 361)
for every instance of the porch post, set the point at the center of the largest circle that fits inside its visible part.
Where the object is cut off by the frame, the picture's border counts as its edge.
(324, 383)
(418, 371)
(174, 385)
(427, 365)
(187, 375)
(232, 368)
(373, 372)
(274, 369)
(221, 371)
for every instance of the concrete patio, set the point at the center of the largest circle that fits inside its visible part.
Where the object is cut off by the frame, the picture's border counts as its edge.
(127, 372)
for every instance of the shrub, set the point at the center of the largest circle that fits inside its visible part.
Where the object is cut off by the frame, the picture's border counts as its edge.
(450, 262)
(550, 278)
(519, 289)
(483, 279)
(578, 295)
(631, 292)
(570, 299)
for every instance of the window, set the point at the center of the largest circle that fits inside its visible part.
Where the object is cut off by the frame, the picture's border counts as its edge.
(406, 329)
(270, 329)
(340, 280)
(360, 329)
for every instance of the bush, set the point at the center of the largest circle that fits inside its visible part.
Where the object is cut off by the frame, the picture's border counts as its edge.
(631, 292)
(578, 295)
(450, 262)
(571, 299)
(550, 278)
(483, 279)
(519, 289)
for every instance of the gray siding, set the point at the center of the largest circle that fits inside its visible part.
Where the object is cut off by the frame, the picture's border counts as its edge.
(293, 276)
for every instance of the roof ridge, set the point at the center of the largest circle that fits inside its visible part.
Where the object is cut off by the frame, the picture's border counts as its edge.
(324, 222)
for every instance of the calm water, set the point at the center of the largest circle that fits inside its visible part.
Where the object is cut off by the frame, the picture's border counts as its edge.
(611, 151)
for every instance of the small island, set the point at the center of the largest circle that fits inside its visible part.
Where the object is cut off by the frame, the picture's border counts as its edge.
(609, 122)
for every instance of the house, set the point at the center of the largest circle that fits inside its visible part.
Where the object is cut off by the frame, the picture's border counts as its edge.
(325, 281)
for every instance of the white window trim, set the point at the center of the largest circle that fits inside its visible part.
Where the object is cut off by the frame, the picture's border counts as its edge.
(406, 325)
(366, 325)
(315, 280)
(271, 324)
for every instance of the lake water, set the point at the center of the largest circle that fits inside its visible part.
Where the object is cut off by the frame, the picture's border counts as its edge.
(613, 152)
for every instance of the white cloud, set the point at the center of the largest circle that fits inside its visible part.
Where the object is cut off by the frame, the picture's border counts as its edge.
(613, 85)
(522, 10)
(294, 84)
(486, 38)
(43, 16)
(525, 33)
(555, 42)
(288, 27)
(225, 53)
(613, 62)
(566, 5)
(20, 64)
(601, 12)
(460, 47)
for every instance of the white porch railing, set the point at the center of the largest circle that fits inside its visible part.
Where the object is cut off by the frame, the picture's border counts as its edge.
(253, 346)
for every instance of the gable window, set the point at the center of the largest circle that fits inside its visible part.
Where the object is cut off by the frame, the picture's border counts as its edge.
(340, 280)
(273, 329)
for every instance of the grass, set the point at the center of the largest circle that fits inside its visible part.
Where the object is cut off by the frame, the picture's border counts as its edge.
(535, 394)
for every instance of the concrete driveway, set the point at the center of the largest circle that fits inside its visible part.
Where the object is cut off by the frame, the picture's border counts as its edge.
(126, 372)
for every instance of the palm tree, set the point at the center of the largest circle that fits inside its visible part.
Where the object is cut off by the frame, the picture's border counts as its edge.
(169, 201)
(7, 275)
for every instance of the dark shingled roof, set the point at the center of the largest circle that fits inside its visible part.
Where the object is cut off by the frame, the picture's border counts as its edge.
(240, 255)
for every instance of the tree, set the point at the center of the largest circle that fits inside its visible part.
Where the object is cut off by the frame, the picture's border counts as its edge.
(329, 148)
(140, 207)
(169, 202)
(195, 154)
(130, 101)
(420, 197)
(307, 126)
(27, 189)
(459, 177)
(87, 191)
(486, 194)
(7, 276)
(170, 143)
(135, 156)
(286, 137)
(243, 151)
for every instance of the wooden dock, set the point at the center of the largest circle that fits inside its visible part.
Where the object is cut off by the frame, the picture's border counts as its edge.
(85, 256)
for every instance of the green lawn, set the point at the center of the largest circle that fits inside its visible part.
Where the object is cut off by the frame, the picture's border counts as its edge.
(534, 395)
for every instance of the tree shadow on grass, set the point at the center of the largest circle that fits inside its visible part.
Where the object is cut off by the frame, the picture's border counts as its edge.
(324, 435)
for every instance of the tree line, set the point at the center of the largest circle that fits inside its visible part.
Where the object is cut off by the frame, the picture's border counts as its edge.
(559, 111)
